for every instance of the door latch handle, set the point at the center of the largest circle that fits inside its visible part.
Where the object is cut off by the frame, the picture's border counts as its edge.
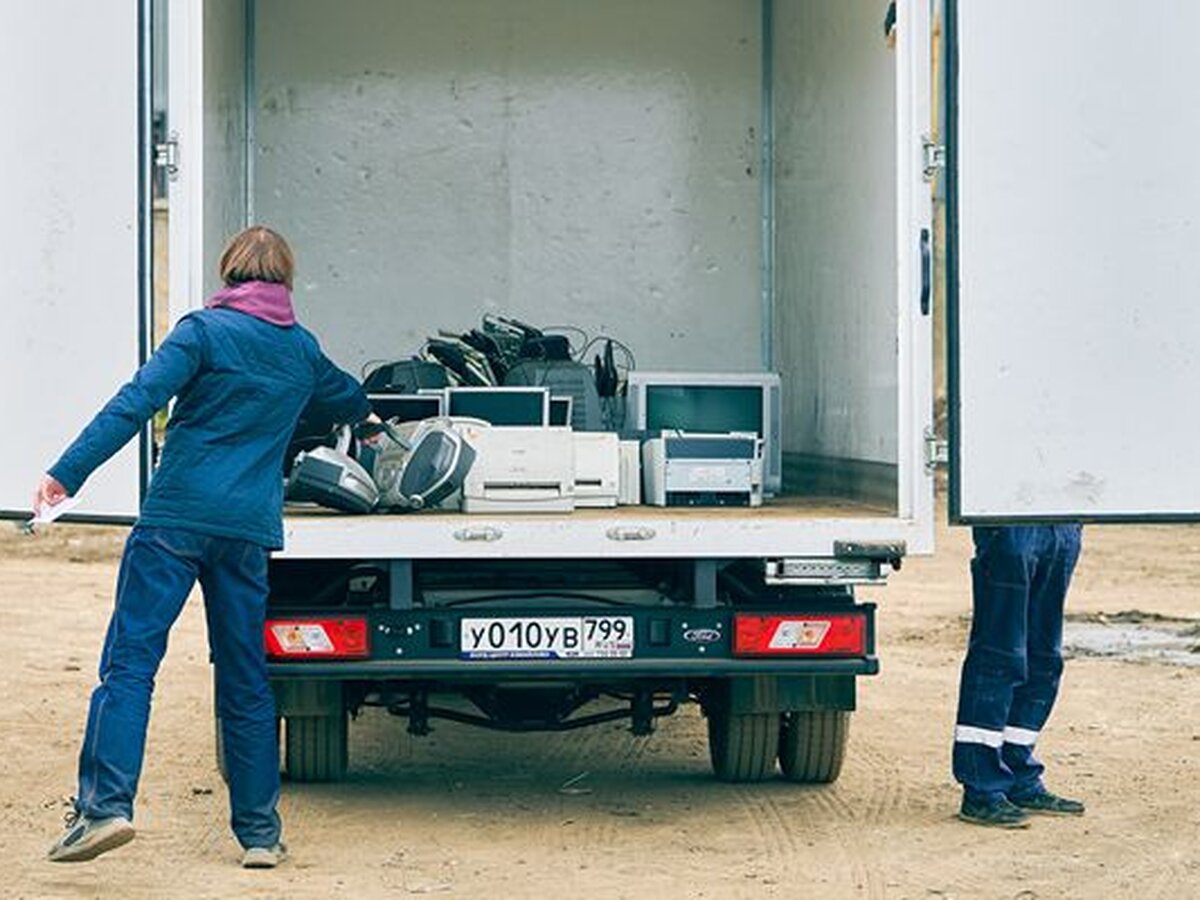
(626, 533)
(485, 533)
(926, 271)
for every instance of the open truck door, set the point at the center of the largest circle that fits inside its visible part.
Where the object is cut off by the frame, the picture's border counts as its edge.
(74, 224)
(1074, 204)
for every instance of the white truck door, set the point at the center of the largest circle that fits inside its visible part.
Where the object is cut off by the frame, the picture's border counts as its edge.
(72, 228)
(1074, 260)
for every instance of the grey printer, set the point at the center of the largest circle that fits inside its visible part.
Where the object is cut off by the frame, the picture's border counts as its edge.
(694, 469)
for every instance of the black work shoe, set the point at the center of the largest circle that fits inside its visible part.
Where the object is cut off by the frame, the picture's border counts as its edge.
(87, 838)
(994, 813)
(1047, 804)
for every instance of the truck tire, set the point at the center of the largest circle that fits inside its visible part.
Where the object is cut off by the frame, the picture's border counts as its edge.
(742, 746)
(316, 748)
(812, 744)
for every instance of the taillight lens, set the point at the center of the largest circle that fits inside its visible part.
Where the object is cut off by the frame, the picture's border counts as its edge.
(317, 639)
(838, 634)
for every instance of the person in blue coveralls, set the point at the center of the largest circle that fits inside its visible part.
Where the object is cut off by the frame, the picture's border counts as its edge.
(241, 371)
(1010, 677)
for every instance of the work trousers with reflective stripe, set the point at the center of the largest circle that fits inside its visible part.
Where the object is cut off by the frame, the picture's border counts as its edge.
(1010, 677)
(158, 570)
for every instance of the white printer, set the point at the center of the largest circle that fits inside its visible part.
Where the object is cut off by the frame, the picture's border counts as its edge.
(520, 469)
(629, 483)
(692, 469)
(597, 468)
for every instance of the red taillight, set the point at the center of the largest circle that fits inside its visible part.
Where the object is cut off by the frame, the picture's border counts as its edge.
(317, 638)
(841, 634)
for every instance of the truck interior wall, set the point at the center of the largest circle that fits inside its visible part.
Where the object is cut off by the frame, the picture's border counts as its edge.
(587, 164)
(224, 54)
(836, 254)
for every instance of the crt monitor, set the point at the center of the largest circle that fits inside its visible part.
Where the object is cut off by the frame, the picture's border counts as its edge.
(500, 406)
(711, 402)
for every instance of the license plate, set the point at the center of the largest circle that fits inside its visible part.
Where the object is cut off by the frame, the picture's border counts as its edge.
(548, 637)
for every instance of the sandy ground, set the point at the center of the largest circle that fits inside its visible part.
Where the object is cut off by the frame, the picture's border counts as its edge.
(470, 813)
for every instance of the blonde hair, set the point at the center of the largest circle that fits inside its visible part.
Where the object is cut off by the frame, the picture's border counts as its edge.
(257, 254)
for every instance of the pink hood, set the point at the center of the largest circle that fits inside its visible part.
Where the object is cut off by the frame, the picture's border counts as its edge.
(261, 299)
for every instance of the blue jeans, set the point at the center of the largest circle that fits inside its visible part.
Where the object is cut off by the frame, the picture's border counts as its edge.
(158, 570)
(1010, 677)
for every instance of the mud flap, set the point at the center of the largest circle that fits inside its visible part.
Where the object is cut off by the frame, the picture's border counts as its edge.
(308, 697)
(784, 693)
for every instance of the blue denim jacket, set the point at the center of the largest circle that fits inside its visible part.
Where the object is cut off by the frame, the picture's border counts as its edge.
(241, 384)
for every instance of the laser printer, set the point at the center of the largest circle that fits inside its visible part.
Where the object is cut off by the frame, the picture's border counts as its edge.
(597, 468)
(703, 469)
(520, 469)
(629, 482)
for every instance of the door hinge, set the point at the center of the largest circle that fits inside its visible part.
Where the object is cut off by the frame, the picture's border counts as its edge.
(166, 156)
(937, 451)
(935, 157)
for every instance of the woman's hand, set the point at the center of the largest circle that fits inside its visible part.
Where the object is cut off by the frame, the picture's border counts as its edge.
(49, 493)
(371, 436)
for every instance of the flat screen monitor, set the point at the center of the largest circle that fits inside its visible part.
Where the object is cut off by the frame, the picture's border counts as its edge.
(500, 406)
(560, 410)
(712, 402)
(407, 407)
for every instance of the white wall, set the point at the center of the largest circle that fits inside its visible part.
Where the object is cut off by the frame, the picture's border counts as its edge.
(563, 162)
(836, 260)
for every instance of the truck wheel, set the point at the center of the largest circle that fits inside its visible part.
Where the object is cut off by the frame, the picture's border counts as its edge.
(742, 745)
(812, 744)
(316, 747)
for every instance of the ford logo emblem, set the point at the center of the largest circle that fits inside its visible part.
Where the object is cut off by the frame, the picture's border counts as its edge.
(702, 635)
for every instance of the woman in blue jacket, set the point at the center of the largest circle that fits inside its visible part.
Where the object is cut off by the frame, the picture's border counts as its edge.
(241, 371)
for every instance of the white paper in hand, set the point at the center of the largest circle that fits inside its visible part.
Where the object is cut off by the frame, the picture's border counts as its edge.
(48, 514)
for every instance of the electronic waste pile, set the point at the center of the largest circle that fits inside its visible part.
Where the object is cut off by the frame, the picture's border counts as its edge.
(508, 418)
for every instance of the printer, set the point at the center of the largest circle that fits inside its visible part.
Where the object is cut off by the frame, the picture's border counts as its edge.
(519, 469)
(597, 468)
(629, 481)
(702, 469)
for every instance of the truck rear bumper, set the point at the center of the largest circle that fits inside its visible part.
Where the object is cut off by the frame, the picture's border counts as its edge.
(447, 644)
(606, 670)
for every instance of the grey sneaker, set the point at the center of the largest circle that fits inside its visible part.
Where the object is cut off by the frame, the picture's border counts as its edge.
(264, 857)
(995, 813)
(87, 838)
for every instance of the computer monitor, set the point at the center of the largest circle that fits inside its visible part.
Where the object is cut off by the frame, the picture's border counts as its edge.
(561, 409)
(407, 407)
(500, 405)
(712, 402)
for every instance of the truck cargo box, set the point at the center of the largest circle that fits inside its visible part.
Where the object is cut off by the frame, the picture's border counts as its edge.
(719, 186)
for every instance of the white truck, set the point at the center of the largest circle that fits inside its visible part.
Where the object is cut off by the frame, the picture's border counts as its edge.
(724, 185)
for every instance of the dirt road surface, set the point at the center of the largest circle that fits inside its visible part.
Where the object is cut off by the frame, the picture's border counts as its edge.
(469, 813)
